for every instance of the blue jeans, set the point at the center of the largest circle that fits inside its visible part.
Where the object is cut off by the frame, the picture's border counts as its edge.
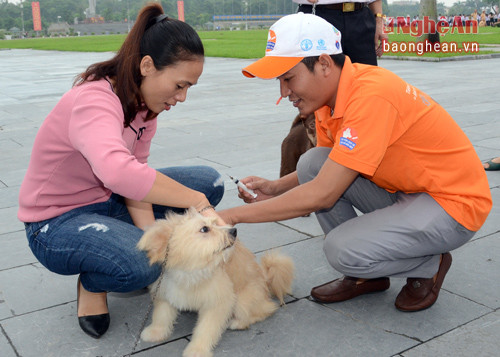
(98, 241)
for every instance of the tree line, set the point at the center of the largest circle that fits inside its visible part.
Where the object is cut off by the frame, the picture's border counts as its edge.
(197, 12)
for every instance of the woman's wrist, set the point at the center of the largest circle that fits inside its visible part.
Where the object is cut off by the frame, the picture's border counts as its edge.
(208, 207)
(201, 202)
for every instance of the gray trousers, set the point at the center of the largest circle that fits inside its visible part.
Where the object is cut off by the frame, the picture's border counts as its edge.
(398, 234)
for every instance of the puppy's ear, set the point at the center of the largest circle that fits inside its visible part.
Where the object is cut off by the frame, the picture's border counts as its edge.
(155, 241)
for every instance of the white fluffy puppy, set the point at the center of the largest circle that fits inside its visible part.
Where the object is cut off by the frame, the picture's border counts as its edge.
(207, 270)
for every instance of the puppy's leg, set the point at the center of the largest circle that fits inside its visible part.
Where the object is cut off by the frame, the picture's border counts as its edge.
(253, 305)
(164, 316)
(212, 322)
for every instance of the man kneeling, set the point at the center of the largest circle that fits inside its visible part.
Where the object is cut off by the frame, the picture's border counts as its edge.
(383, 147)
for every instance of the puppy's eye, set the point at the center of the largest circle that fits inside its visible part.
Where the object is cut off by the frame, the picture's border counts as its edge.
(204, 229)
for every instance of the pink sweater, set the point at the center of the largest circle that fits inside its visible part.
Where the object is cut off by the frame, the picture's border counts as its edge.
(82, 153)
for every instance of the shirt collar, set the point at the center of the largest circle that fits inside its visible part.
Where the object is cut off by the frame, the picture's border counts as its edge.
(344, 88)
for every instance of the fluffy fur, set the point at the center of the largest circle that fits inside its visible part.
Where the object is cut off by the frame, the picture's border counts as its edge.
(209, 271)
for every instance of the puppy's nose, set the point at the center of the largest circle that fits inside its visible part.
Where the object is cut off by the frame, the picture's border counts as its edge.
(233, 232)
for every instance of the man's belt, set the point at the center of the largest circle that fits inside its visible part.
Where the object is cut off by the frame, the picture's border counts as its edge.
(344, 6)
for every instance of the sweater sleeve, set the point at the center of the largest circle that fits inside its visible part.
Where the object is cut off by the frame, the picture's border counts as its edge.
(96, 131)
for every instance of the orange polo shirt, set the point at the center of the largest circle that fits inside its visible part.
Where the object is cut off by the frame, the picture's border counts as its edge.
(398, 137)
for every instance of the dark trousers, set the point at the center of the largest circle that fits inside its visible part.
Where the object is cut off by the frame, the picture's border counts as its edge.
(357, 29)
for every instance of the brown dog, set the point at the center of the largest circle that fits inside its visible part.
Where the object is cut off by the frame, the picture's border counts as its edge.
(302, 137)
(209, 271)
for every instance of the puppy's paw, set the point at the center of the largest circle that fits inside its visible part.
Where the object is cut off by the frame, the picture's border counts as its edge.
(155, 333)
(235, 324)
(196, 351)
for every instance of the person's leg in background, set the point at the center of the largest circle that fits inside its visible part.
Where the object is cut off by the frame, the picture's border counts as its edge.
(357, 30)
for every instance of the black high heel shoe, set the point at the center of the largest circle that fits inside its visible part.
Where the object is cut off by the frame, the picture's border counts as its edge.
(93, 325)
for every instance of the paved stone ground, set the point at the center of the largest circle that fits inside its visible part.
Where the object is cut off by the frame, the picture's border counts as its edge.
(233, 124)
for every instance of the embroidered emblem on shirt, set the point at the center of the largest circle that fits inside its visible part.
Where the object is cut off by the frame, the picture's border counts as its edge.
(349, 138)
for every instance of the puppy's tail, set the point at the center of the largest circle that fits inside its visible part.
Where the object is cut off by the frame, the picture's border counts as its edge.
(279, 271)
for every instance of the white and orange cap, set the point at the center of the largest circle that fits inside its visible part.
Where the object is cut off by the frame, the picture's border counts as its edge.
(292, 38)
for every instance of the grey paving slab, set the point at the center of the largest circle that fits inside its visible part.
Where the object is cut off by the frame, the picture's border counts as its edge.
(15, 176)
(5, 312)
(15, 250)
(477, 338)
(11, 148)
(308, 225)
(484, 130)
(232, 123)
(491, 143)
(449, 312)
(5, 348)
(29, 288)
(185, 149)
(492, 224)
(174, 348)
(8, 221)
(55, 331)
(304, 328)
(311, 266)
(18, 163)
(475, 271)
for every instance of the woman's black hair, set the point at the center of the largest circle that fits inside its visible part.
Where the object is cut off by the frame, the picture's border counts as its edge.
(169, 41)
(154, 34)
(338, 59)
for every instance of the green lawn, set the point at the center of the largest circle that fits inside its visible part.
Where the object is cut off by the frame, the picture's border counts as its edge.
(235, 44)
(102, 43)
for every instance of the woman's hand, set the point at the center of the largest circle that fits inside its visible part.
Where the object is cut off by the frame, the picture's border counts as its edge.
(209, 211)
(263, 188)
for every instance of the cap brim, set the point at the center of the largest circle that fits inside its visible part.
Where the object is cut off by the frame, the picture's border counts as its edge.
(271, 67)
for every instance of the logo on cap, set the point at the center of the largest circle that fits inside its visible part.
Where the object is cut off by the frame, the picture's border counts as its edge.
(321, 45)
(271, 41)
(306, 45)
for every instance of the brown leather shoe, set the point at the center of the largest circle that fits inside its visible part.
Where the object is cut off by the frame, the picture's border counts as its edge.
(419, 294)
(347, 288)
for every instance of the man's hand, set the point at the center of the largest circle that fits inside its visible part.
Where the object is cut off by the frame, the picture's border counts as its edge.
(380, 36)
(262, 187)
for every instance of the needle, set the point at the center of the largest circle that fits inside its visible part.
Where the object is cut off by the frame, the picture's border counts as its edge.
(242, 186)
